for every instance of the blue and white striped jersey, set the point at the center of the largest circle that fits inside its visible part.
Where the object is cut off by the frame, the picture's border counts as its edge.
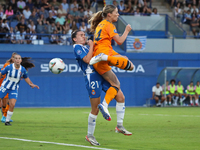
(81, 51)
(13, 76)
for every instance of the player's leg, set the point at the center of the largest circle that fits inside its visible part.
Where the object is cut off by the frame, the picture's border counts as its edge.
(196, 99)
(92, 121)
(120, 110)
(4, 108)
(117, 60)
(191, 102)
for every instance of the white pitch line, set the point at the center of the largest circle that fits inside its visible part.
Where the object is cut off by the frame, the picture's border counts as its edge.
(171, 115)
(46, 142)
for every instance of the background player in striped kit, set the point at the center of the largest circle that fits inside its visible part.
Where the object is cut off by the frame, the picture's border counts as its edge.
(95, 84)
(10, 85)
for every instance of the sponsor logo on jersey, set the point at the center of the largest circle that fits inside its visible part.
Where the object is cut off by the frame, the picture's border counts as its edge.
(79, 52)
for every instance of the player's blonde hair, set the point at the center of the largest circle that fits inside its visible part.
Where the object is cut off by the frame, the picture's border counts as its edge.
(98, 17)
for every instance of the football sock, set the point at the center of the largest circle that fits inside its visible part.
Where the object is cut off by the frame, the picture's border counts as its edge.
(3, 110)
(119, 62)
(5, 113)
(120, 110)
(104, 103)
(110, 94)
(169, 103)
(196, 101)
(191, 101)
(9, 115)
(91, 124)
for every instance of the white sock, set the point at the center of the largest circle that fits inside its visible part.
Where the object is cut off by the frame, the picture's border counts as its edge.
(169, 102)
(104, 103)
(91, 124)
(191, 101)
(9, 115)
(177, 98)
(196, 101)
(181, 100)
(120, 110)
(184, 98)
(104, 57)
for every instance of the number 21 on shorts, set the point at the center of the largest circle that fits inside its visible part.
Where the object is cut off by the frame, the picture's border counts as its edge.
(94, 84)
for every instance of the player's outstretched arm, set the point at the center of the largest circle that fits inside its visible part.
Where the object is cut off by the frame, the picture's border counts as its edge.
(120, 39)
(31, 84)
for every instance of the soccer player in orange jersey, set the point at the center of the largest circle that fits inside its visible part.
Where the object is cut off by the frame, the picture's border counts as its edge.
(5, 104)
(104, 55)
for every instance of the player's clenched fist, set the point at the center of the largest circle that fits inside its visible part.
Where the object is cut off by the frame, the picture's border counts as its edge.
(128, 28)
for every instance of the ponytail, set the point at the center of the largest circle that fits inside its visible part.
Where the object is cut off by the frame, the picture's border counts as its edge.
(26, 63)
(95, 20)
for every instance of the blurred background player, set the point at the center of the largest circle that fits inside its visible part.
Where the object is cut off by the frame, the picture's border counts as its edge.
(10, 85)
(191, 93)
(157, 94)
(95, 84)
(166, 92)
(197, 91)
(172, 90)
(5, 104)
(105, 31)
(180, 92)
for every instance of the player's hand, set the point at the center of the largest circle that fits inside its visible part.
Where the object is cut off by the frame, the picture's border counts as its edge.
(128, 28)
(34, 86)
(90, 43)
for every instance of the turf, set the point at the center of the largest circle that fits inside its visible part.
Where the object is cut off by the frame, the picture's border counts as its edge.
(152, 128)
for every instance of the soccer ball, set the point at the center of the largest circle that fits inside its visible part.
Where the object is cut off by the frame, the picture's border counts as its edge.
(56, 65)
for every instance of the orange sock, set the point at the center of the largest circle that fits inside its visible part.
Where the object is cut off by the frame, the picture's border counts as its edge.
(119, 62)
(3, 109)
(110, 94)
(5, 113)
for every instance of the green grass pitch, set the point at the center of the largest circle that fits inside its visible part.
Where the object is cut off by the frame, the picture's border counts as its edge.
(152, 128)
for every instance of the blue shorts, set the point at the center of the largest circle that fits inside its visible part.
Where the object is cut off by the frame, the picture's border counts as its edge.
(12, 94)
(95, 83)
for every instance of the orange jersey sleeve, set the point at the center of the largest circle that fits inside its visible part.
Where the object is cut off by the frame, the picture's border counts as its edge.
(104, 33)
(3, 77)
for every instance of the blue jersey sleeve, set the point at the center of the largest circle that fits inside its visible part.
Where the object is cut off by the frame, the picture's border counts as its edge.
(5, 70)
(25, 73)
(79, 51)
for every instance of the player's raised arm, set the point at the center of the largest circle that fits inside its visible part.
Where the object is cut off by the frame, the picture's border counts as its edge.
(121, 39)
(30, 83)
(87, 58)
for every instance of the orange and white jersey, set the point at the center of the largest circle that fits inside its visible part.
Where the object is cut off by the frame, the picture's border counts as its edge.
(104, 33)
(3, 76)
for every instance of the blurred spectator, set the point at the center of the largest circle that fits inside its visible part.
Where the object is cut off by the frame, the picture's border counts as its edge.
(9, 13)
(60, 19)
(55, 4)
(189, 7)
(51, 27)
(66, 27)
(194, 25)
(166, 92)
(38, 4)
(172, 90)
(54, 12)
(137, 12)
(33, 17)
(194, 9)
(139, 2)
(30, 4)
(50, 19)
(26, 12)
(115, 3)
(74, 4)
(5, 25)
(187, 18)
(33, 37)
(13, 3)
(146, 11)
(22, 26)
(69, 19)
(180, 92)
(1, 11)
(157, 94)
(88, 13)
(197, 91)
(42, 19)
(11, 36)
(63, 38)
(54, 38)
(74, 13)
(40, 29)
(83, 27)
(28, 36)
(21, 5)
(44, 12)
(147, 7)
(62, 11)
(129, 8)
(31, 26)
(121, 6)
(46, 5)
(20, 36)
(178, 11)
(74, 26)
(58, 28)
(82, 17)
(65, 5)
(191, 92)
(155, 12)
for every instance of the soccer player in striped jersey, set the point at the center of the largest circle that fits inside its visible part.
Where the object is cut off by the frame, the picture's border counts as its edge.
(10, 85)
(95, 84)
